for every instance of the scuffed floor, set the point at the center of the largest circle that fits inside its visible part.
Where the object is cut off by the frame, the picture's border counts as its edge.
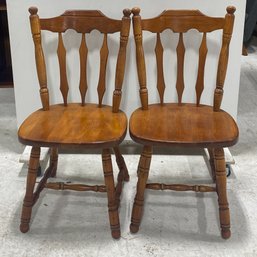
(174, 223)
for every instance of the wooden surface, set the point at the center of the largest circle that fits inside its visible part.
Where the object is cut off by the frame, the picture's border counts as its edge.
(74, 125)
(185, 125)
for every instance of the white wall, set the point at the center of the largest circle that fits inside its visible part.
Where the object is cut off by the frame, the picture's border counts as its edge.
(24, 71)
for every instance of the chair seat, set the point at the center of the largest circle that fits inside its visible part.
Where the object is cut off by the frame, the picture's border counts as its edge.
(184, 124)
(74, 125)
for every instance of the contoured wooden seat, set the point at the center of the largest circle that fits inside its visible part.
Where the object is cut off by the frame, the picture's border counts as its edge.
(183, 124)
(77, 124)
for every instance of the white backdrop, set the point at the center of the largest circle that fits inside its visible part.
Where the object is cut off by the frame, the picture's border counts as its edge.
(24, 70)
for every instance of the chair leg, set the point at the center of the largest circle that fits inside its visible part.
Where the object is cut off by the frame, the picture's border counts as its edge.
(122, 176)
(54, 160)
(221, 180)
(211, 160)
(110, 188)
(143, 171)
(28, 201)
(121, 164)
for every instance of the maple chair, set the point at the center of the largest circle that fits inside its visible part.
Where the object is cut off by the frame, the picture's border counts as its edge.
(83, 125)
(183, 124)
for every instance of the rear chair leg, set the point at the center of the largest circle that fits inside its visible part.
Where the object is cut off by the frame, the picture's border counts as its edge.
(110, 188)
(28, 201)
(143, 172)
(221, 180)
(211, 160)
(122, 176)
(54, 160)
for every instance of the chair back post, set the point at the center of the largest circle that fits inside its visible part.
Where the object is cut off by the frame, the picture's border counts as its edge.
(39, 55)
(120, 66)
(223, 58)
(141, 71)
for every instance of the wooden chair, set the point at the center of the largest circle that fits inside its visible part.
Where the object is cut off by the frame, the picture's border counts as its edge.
(183, 124)
(83, 125)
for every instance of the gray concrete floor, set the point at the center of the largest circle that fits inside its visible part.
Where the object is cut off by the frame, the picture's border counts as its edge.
(174, 223)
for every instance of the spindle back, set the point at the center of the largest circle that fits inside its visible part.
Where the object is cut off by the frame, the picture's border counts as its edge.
(82, 21)
(180, 21)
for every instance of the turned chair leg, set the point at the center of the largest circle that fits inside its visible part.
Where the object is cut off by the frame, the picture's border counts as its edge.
(28, 201)
(212, 165)
(221, 180)
(54, 161)
(143, 171)
(110, 188)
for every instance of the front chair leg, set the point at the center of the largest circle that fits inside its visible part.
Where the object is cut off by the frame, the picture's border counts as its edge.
(221, 181)
(54, 160)
(110, 188)
(28, 201)
(143, 171)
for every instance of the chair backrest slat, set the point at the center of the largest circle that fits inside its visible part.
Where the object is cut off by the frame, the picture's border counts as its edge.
(83, 50)
(159, 62)
(201, 64)
(61, 52)
(104, 52)
(180, 68)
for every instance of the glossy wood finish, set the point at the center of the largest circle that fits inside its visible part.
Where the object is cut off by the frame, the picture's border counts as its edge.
(183, 124)
(159, 64)
(143, 172)
(61, 52)
(74, 124)
(201, 64)
(83, 50)
(180, 68)
(28, 201)
(103, 62)
(221, 184)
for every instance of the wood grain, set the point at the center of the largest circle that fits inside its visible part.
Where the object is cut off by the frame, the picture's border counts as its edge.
(159, 63)
(223, 58)
(83, 21)
(39, 56)
(141, 71)
(83, 50)
(201, 64)
(121, 60)
(74, 126)
(185, 125)
(102, 74)
(28, 201)
(220, 168)
(181, 21)
(61, 52)
(180, 68)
